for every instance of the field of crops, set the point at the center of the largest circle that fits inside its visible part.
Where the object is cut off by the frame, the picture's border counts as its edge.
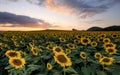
(59, 53)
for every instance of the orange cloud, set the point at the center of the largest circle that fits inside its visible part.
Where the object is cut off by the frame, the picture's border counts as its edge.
(33, 26)
(49, 1)
(19, 29)
(53, 5)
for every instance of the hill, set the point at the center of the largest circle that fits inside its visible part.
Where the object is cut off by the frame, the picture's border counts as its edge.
(110, 28)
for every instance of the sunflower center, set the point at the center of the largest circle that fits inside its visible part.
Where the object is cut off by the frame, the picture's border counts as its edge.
(34, 50)
(94, 43)
(62, 58)
(76, 41)
(106, 60)
(79, 36)
(106, 40)
(13, 54)
(17, 62)
(50, 47)
(70, 45)
(103, 36)
(62, 39)
(58, 49)
(85, 40)
(110, 50)
(48, 66)
(83, 55)
(114, 35)
(98, 55)
(109, 45)
(101, 39)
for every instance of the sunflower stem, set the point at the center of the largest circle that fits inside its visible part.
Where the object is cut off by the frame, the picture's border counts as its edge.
(103, 68)
(25, 73)
(64, 70)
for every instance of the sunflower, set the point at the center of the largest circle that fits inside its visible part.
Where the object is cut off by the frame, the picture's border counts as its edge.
(114, 35)
(97, 55)
(106, 60)
(85, 41)
(67, 51)
(111, 45)
(71, 46)
(57, 49)
(49, 47)
(77, 41)
(62, 59)
(102, 35)
(83, 55)
(78, 36)
(49, 66)
(62, 40)
(12, 53)
(17, 62)
(100, 39)
(34, 51)
(93, 44)
(106, 40)
(110, 50)
(31, 44)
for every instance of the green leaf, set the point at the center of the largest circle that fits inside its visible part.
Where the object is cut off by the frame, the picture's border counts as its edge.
(101, 72)
(116, 70)
(9, 67)
(78, 61)
(85, 71)
(71, 70)
(32, 68)
(56, 73)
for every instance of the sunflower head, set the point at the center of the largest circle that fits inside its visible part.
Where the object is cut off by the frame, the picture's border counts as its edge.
(106, 40)
(106, 60)
(77, 41)
(62, 59)
(78, 36)
(17, 62)
(49, 66)
(103, 35)
(12, 53)
(49, 47)
(71, 46)
(114, 35)
(83, 55)
(100, 39)
(109, 45)
(62, 40)
(34, 51)
(67, 51)
(97, 55)
(93, 44)
(85, 41)
(31, 44)
(110, 50)
(57, 49)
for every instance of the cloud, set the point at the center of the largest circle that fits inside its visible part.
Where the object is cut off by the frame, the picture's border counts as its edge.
(82, 8)
(96, 22)
(13, 20)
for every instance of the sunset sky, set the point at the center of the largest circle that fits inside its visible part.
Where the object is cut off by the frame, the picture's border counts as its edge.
(58, 14)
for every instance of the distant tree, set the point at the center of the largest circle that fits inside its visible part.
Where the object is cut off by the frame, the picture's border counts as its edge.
(74, 29)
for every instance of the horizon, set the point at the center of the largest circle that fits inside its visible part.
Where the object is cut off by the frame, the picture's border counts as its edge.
(28, 15)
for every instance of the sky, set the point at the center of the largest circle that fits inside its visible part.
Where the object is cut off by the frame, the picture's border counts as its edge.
(26, 15)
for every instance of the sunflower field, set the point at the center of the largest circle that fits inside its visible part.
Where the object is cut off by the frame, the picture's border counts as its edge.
(60, 53)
